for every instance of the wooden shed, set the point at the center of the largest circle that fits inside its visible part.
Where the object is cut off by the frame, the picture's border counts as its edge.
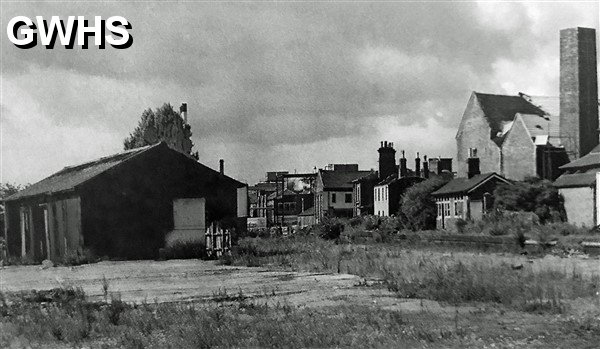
(121, 206)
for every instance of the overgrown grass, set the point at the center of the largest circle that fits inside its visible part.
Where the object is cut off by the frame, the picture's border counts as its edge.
(422, 274)
(243, 324)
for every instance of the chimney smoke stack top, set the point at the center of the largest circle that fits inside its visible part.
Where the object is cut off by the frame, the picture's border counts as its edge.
(183, 112)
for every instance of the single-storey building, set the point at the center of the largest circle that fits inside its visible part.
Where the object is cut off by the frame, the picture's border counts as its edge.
(465, 198)
(127, 205)
(579, 188)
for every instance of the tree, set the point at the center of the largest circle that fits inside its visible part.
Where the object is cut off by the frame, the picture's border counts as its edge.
(6, 190)
(418, 209)
(531, 195)
(162, 125)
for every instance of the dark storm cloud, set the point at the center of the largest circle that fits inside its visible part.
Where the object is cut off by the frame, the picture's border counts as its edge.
(277, 78)
(317, 70)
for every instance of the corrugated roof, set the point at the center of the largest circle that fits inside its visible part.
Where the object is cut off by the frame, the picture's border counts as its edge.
(584, 179)
(464, 185)
(340, 179)
(70, 177)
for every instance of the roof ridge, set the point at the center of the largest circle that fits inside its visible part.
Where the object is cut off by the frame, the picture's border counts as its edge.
(133, 152)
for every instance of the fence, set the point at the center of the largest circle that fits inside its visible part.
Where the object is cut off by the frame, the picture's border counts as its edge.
(218, 241)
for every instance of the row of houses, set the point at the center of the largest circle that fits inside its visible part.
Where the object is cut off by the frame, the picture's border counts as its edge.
(500, 138)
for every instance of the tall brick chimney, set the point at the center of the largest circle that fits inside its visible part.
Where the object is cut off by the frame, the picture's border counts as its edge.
(387, 160)
(417, 166)
(403, 170)
(578, 91)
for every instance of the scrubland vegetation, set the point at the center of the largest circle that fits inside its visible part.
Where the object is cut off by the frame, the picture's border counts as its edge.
(489, 295)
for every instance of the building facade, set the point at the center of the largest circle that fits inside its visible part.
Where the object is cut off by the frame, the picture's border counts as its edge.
(333, 191)
(468, 198)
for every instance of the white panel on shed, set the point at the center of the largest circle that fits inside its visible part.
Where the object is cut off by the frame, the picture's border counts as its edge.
(242, 201)
(189, 221)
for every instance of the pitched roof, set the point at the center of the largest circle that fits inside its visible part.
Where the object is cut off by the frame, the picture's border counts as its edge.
(567, 180)
(465, 185)
(591, 159)
(71, 177)
(372, 176)
(500, 111)
(340, 179)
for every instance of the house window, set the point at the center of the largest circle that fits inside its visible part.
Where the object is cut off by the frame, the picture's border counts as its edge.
(446, 209)
(439, 210)
(333, 198)
(348, 198)
(386, 193)
(458, 205)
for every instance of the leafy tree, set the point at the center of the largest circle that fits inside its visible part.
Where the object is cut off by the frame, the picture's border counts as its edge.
(162, 125)
(418, 209)
(531, 195)
(7, 189)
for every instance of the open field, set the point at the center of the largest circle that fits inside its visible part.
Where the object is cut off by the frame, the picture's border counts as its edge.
(308, 294)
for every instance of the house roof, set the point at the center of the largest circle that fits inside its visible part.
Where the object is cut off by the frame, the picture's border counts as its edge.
(308, 212)
(71, 177)
(372, 176)
(582, 179)
(340, 179)
(591, 159)
(500, 111)
(465, 185)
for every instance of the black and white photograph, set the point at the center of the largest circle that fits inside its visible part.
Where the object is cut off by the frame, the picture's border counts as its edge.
(299, 174)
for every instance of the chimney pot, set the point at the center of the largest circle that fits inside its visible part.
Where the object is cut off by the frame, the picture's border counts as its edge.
(222, 166)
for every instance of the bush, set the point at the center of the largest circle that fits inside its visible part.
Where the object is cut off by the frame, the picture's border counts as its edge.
(418, 209)
(532, 195)
(331, 228)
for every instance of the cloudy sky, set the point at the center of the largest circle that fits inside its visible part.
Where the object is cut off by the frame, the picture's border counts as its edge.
(275, 86)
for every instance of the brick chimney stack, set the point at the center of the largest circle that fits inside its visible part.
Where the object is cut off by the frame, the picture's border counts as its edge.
(578, 91)
(403, 170)
(417, 166)
(387, 160)
(425, 167)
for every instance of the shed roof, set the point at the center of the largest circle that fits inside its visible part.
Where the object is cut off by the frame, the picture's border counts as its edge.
(590, 160)
(340, 179)
(71, 177)
(570, 180)
(465, 185)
